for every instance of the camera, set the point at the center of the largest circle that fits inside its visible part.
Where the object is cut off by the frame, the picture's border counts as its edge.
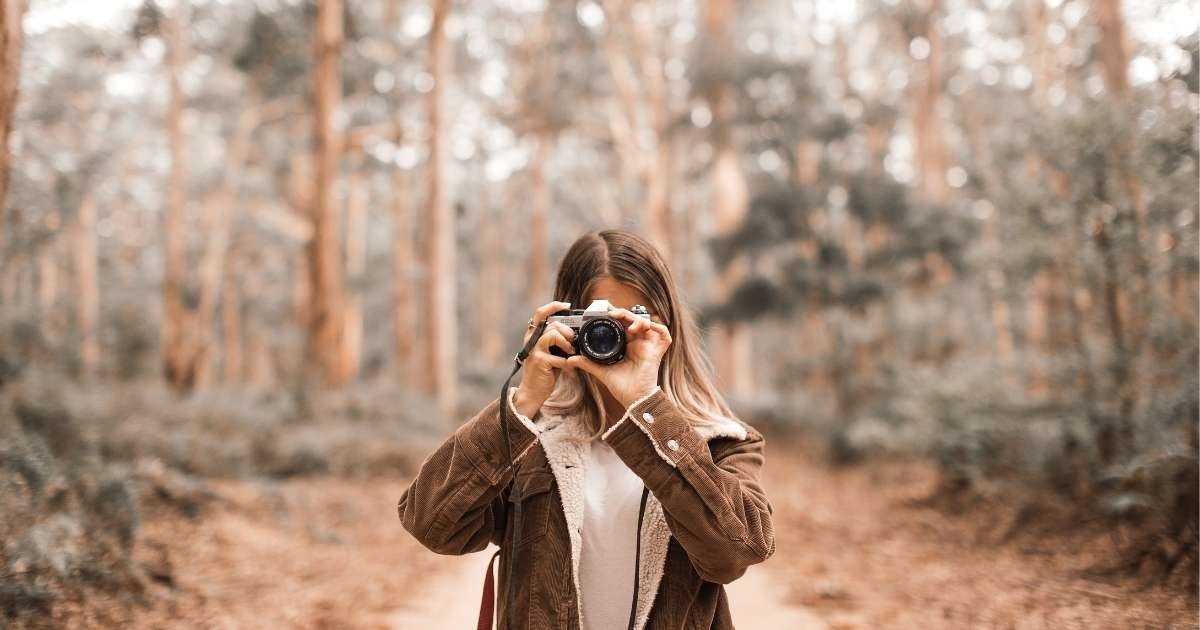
(597, 336)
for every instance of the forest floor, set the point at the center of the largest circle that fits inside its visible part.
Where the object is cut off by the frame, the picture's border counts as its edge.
(856, 548)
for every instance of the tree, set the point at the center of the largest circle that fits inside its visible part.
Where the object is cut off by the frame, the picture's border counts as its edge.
(326, 312)
(179, 349)
(927, 92)
(87, 286)
(190, 342)
(440, 271)
(11, 14)
(641, 125)
(733, 342)
(404, 316)
(356, 264)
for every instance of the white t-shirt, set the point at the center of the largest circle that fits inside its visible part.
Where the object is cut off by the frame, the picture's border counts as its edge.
(613, 494)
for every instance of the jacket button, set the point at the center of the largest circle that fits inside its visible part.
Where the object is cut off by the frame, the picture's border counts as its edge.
(648, 418)
(673, 445)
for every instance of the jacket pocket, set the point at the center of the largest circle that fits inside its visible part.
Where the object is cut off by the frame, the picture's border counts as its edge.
(536, 502)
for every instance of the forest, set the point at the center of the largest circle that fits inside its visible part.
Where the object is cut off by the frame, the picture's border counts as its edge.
(258, 258)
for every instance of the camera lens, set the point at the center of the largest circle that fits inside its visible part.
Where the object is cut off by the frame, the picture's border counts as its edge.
(603, 340)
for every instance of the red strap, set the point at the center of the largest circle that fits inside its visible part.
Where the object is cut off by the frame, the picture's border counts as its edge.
(488, 604)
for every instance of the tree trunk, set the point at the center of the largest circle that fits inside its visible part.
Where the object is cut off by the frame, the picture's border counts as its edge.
(657, 177)
(1114, 57)
(1115, 49)
(540, 196)
(1114, 46)
(732, 350)
(178, 365)
(1115, 438)
(301, 292)
(1127, 300)
(356, 267)
(9, 278)
(48, 282)
(219, 210)
(1035, 19)
(403, 311)
(642, 113)
(996, 281)
(260, 369)
(11, 14)
(233, 370)
(404, 317)
(492, 287)
(325, 327)
(441, 278)
(657, 212)
(927, 120)
(87, 287)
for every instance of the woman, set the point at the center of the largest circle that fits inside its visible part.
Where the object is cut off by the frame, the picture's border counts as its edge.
(640, 492)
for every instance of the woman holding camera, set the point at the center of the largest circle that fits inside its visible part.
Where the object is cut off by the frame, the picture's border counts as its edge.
(638, 490)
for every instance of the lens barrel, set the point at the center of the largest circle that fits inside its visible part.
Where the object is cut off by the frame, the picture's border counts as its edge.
(602, 340)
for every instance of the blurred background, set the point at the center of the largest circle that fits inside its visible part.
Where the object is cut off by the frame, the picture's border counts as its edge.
(258, 258)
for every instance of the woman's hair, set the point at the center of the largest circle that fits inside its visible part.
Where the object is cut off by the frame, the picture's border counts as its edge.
(685, 374)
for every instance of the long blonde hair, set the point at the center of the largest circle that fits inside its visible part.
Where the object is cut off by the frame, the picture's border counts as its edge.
(685, 375)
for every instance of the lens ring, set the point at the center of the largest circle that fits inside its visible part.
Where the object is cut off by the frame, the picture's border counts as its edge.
(602, 340)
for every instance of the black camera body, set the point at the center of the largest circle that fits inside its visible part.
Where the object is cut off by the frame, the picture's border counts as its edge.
(598, 337)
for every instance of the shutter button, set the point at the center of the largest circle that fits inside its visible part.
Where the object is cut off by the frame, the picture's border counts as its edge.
(673, 445)
(648, 418)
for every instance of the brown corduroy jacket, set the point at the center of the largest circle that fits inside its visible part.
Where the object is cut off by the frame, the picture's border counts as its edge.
(706, 517)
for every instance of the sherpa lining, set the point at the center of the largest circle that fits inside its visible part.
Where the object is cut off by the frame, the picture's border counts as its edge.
(525, 421)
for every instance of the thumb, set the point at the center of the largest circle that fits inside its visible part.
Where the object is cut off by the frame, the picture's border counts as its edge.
(582, 363)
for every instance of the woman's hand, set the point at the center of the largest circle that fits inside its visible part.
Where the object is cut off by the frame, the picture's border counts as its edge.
(646, 342)
(539, 373)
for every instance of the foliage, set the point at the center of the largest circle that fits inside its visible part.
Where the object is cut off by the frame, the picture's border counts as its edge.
(1037, 325)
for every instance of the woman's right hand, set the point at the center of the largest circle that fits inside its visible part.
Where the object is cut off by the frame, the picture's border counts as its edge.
(539, 373)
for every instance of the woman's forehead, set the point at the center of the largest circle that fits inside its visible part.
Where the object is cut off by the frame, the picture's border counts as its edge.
(617, 293)
(620, 295)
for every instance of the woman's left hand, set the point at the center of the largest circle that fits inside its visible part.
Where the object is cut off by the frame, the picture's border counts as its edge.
(636, 375)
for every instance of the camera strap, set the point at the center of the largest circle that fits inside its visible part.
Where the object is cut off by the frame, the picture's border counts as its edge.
(514, 496)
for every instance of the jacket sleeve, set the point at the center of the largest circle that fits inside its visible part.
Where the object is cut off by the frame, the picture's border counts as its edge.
(456, 502)
(712, 500)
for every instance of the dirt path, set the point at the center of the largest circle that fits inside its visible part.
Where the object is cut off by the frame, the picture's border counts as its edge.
(852, 552)
(758, 599)
(861, 548)
(449, 599)
(761, 599)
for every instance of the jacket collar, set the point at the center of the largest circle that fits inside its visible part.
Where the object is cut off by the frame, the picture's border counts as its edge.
(564, 440)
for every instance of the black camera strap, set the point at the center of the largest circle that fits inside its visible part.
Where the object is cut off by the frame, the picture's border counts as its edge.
(514, 496)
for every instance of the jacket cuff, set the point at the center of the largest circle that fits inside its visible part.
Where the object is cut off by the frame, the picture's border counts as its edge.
(657, 418)
(525, 420)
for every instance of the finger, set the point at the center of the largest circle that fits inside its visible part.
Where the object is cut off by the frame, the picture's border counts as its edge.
(628, 319)
(582, 363)
(635, 325)
(661, 329)
(549, 360)
(566, 331)
(621, 314)
(631, 321)
(555, 338)
(547, 339)
(642, 323)
(541, 313)
(548, 309)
